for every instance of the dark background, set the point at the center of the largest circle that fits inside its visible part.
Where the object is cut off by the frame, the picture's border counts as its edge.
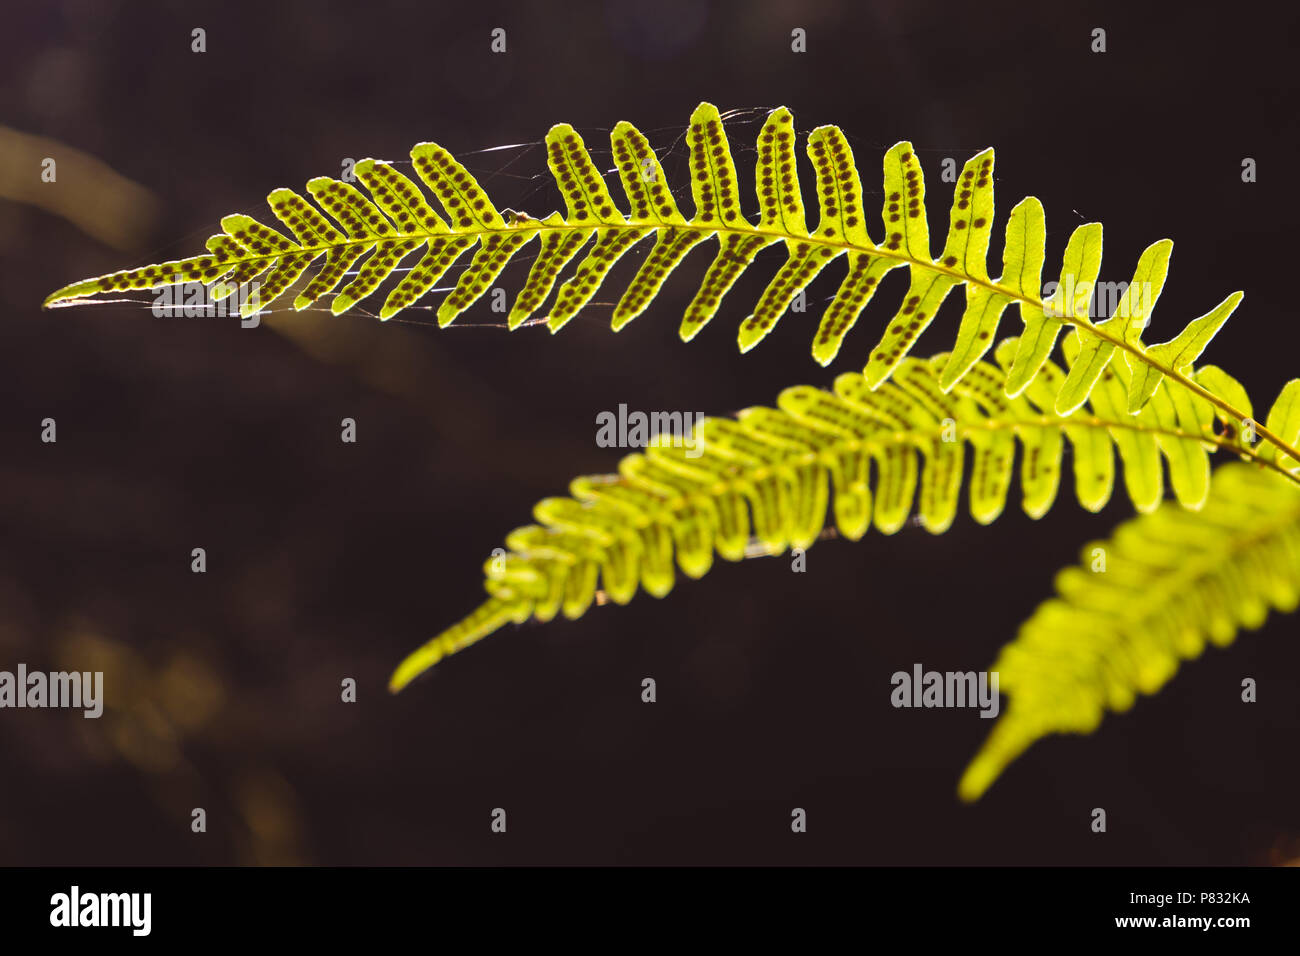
(328, 560)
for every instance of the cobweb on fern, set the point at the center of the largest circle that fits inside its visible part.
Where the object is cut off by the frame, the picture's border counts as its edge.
(516, 176)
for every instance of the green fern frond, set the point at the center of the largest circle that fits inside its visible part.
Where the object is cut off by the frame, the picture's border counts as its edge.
(1138, 604)
(398, 221)
(865, 454)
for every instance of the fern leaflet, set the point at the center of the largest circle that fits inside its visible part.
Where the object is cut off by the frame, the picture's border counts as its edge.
(401, 222)
(864, 453)
(1138, 604)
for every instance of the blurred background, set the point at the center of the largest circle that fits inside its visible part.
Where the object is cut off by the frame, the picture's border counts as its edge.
(328, 561)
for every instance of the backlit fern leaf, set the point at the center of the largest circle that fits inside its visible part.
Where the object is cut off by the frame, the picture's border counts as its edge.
(884, 441)
(1138, 604)
(765, 480)
(344, 229)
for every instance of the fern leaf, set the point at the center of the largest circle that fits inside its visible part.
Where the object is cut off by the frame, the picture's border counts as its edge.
(1178, 353)
(1284, 420)
(1138, 604)
(348, 229)
(558, 248)
(1022, 271)
(1131, 313)
(717, 208)
(1079, 271)
(779, 476)
(644, 183)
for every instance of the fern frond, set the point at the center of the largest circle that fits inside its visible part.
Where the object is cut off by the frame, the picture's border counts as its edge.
(401, 221)
(1138, 604)
(864, 454)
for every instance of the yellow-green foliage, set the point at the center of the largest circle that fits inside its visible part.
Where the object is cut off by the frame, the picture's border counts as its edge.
(399, 220)
(1138, 604)
(893, 434)
(850, 457)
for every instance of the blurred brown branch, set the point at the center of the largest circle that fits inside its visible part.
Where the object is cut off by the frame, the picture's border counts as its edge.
(86, 192)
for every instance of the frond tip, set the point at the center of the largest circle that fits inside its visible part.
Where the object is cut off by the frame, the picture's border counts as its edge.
(849, 457)
(1139, 604)
(345, 230)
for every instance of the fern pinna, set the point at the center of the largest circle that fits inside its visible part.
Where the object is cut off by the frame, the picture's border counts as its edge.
(779, 476)
(401, 221)
(773, 471)
(1154, 594)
